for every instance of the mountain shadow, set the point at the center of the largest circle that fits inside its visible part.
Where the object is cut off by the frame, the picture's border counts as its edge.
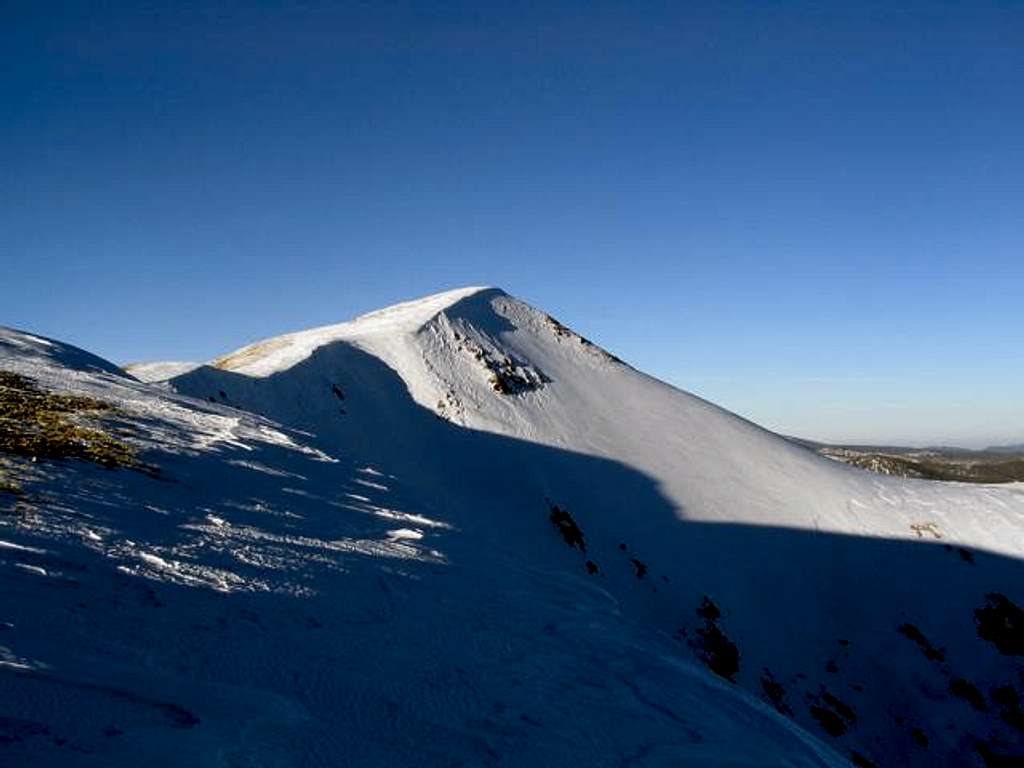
(819, 612)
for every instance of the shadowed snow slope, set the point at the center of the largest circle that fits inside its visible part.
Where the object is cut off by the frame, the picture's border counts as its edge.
(455, 532)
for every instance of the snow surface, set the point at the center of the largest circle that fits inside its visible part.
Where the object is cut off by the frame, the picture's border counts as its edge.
(156, 372)
(347, 559)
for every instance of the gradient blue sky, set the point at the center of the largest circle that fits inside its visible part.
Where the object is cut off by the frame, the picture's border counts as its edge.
(810, 213)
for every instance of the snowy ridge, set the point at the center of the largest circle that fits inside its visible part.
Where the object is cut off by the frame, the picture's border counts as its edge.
(444, 348)
(156, 372)
(382, 326)
(456, 530)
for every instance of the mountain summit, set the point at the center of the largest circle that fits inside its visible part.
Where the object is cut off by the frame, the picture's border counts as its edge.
(454, 530)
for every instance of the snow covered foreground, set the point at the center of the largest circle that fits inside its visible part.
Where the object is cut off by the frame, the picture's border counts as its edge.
(453, 532)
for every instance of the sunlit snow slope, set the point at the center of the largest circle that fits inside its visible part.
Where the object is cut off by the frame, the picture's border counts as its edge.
(455, 532)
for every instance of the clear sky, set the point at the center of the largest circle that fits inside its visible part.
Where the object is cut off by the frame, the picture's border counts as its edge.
(810, 213)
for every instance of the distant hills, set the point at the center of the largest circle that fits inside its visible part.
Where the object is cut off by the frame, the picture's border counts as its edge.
(1001, 464)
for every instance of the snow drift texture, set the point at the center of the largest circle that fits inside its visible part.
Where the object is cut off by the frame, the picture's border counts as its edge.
(454, 532)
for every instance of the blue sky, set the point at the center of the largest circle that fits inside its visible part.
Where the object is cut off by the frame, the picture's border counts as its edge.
(810, 213)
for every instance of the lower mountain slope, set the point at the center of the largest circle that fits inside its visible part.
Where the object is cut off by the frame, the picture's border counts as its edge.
(234, 594)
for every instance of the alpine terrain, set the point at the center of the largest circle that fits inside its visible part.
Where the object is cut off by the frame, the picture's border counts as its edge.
(453, 532)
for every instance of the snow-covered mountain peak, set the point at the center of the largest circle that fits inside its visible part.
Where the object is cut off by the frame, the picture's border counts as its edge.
(481, 359)
(475, 356)
(270, 356)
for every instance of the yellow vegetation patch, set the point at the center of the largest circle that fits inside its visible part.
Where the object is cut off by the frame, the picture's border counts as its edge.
(248, 355)
(42, 425)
